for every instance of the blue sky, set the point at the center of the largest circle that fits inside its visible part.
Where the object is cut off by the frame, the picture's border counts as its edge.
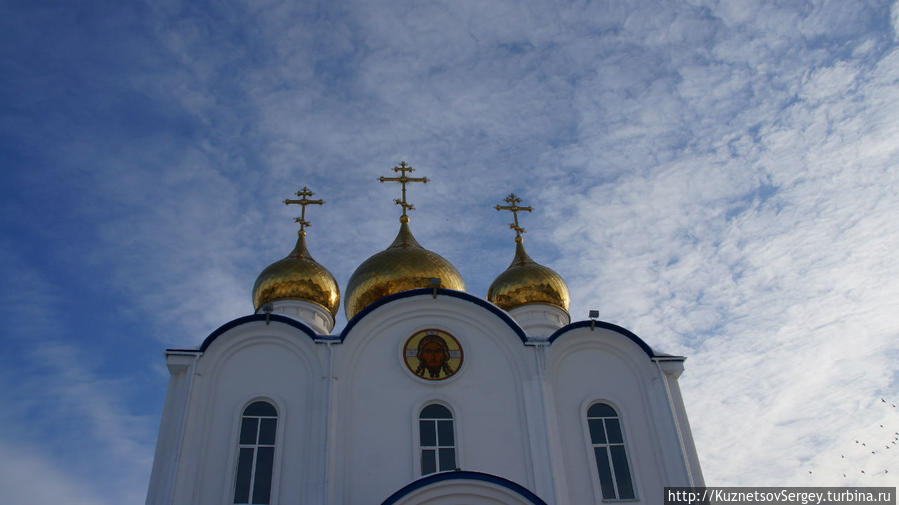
(719, 177)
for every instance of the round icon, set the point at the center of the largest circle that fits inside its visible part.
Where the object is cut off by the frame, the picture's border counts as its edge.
(433, 354)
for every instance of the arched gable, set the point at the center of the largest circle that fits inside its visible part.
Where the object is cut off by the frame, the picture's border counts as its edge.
(607, 366)
(377, 384)
(245, 361)
(617, 329)
(500, 313)
(277, 318)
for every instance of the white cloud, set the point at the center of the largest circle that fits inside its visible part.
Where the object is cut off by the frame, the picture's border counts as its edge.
(894, 18)
(718, 177)
(64, 420)
(70, 425)
(771, 267)
(830, 82)
(29, 478)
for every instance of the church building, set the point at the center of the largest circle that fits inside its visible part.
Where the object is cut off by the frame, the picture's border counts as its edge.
(428, 395)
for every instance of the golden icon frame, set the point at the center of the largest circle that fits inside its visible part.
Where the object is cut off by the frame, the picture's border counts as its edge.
(433, 342)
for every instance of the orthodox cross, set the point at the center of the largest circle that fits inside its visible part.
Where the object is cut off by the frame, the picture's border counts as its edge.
(403, 179)
(304, 201)
(513, 206)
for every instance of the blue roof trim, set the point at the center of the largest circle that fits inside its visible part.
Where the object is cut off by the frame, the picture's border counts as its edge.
(430, 292)
(277, 318)
(328, 338)
(463, 475)
(608, 326)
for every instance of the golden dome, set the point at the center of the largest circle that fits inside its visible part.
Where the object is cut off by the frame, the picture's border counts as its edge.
(402, 266)
(526, 281)
(297, 277)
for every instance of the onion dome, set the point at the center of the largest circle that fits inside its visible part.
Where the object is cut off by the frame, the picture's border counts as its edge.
(526, 281)
(402, 266)
(297, 277)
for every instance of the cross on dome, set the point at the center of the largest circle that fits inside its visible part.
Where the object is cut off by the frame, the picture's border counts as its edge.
(403, 179)
(303, 201)
(513, 206)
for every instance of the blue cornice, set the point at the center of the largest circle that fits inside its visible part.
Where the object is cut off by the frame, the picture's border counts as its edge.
(463, 475)
(430, 292)
(608, 326)
(276, 318)
(309, 332)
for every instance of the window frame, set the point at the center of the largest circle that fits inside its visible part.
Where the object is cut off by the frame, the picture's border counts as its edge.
(591, 455)
(417, 446)
(237, 445)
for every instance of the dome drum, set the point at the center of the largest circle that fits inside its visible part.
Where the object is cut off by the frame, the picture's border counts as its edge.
(540, 319)
(314, 315)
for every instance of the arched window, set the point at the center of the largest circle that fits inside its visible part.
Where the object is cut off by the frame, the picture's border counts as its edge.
(256, 455)
(608, 449)
(437, 439)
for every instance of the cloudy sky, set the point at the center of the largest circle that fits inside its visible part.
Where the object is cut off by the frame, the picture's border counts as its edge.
(722, 178)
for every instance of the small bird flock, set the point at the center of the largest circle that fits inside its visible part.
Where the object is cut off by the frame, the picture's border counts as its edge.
(885, 443)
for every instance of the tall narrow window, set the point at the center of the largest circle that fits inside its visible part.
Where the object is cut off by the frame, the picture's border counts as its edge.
(256, 454)
(437, 439)
(608, 448)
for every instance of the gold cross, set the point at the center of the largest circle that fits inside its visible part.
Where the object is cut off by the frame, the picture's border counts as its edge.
(513, 202)
(304, 201)
(403, 179)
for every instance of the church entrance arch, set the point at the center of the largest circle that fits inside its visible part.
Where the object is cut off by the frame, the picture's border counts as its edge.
(452, 488)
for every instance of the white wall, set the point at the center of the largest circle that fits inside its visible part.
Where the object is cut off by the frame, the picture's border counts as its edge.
(254, 361)
(378, 398)
(587, 366)
(508, 423)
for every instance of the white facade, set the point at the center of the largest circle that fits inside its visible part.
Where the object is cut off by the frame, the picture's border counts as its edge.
(348, 407)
